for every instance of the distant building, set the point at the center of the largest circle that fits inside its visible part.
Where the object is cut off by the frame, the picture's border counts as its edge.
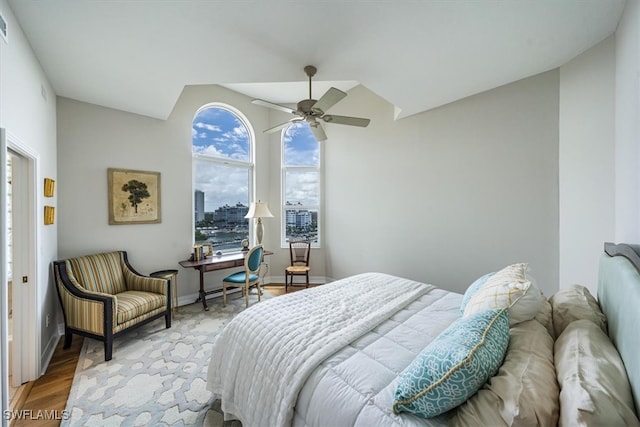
(298, 218)
(231, 215)
(198, 211)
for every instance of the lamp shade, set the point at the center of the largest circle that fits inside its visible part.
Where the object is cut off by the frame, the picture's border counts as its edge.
(259, 210)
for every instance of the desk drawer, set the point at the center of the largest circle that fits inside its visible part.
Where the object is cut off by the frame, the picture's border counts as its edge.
(224, 264)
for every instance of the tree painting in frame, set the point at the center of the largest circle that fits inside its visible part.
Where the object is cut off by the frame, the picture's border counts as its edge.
(134, 197)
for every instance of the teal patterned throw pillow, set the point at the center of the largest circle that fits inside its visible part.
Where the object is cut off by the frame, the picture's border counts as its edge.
(472, 289)
(455, 365)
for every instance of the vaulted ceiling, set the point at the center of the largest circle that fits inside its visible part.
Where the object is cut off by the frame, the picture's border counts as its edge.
(137, 56)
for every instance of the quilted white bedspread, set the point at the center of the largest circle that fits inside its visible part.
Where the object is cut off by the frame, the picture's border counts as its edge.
(264, 355)
(355, 385)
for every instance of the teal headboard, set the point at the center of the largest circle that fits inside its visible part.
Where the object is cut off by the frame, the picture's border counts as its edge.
(619, 298)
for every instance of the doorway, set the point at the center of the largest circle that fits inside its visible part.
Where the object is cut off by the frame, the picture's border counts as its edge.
(20, 339)
(13, 385)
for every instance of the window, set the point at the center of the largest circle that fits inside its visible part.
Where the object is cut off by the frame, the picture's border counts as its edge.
(301, 184)
(222, 142)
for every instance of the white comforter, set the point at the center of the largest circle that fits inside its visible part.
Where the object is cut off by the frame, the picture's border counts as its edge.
(265, 354)
(355, 386)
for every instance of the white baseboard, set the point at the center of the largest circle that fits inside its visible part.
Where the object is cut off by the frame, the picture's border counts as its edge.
(314, 280)
(48, 351)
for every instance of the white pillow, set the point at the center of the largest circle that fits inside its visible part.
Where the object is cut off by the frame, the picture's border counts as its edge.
(575, 303)
(510, 287)
(594, 387)
(524, 392)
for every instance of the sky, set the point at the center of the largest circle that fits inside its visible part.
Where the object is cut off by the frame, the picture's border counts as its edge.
(219, 133)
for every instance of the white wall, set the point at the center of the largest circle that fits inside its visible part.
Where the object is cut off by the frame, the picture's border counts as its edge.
(627, 131)
(587, 166)
(450, 194)
(31, 119)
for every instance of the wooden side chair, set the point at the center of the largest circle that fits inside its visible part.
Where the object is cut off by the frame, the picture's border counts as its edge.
(245, 279)
(299, 251)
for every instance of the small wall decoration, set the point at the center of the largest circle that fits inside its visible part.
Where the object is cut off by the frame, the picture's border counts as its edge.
(49, 215)
(49, 185)
(134, 196)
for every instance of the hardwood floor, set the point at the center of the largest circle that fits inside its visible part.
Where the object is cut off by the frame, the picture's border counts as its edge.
(48, 394)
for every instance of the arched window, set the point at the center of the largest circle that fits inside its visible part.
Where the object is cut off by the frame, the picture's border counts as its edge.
(301, 179)
(222, 150)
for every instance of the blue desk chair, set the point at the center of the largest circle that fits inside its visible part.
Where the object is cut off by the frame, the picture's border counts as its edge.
(247, 278)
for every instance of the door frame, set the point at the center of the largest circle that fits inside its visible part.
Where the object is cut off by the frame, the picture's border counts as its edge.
(25, 262)
(4, 293)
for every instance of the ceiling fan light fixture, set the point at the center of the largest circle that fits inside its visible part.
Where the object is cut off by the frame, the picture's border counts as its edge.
(310, 109)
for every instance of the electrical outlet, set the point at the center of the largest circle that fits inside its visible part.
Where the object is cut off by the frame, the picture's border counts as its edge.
(46, 321)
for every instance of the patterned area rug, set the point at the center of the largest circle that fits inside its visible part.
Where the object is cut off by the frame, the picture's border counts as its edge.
(157, 376)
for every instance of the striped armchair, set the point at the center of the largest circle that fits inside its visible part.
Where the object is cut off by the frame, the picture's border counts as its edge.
(102, 296)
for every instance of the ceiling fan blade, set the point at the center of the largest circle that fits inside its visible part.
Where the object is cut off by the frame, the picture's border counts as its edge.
(281, 126)
(274, 106)
(328, 100)
(318, 132)
(346, 120)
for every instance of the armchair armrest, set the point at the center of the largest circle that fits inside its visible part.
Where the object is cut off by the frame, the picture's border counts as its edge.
(136, 282)
(90, 308)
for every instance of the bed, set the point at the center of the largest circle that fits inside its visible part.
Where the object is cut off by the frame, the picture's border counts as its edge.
(380, 350)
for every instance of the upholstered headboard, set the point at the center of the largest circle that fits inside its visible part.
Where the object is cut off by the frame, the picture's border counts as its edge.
(619, 298)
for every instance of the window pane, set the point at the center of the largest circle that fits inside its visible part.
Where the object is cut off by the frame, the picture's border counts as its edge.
(302, 188)
(300, 146)
(301, 223)
(221, 202)
(217, 132)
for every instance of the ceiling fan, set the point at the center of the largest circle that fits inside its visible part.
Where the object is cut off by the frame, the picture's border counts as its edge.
(311, 111)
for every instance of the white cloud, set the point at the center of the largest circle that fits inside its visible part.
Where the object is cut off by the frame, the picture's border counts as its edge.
(222, 184)
(302, 187)
(208, 150)
(207, 126)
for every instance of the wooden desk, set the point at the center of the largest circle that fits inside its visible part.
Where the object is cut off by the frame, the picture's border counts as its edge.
(213, 263)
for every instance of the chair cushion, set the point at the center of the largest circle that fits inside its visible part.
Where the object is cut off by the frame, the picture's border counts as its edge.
(99, 272)
(297, 269)
(132, 304)
(240, 278)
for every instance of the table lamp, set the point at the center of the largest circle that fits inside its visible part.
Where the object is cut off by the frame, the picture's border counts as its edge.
(259, 210)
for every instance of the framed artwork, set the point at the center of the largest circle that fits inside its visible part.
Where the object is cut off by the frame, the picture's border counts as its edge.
(134, 196)
(207, 249)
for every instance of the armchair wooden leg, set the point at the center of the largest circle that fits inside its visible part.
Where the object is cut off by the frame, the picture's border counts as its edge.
(259, 291)
(286, 282)
(167, 319)
(307, 276)
(108, 349)
(246, 296)
(68, 337)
